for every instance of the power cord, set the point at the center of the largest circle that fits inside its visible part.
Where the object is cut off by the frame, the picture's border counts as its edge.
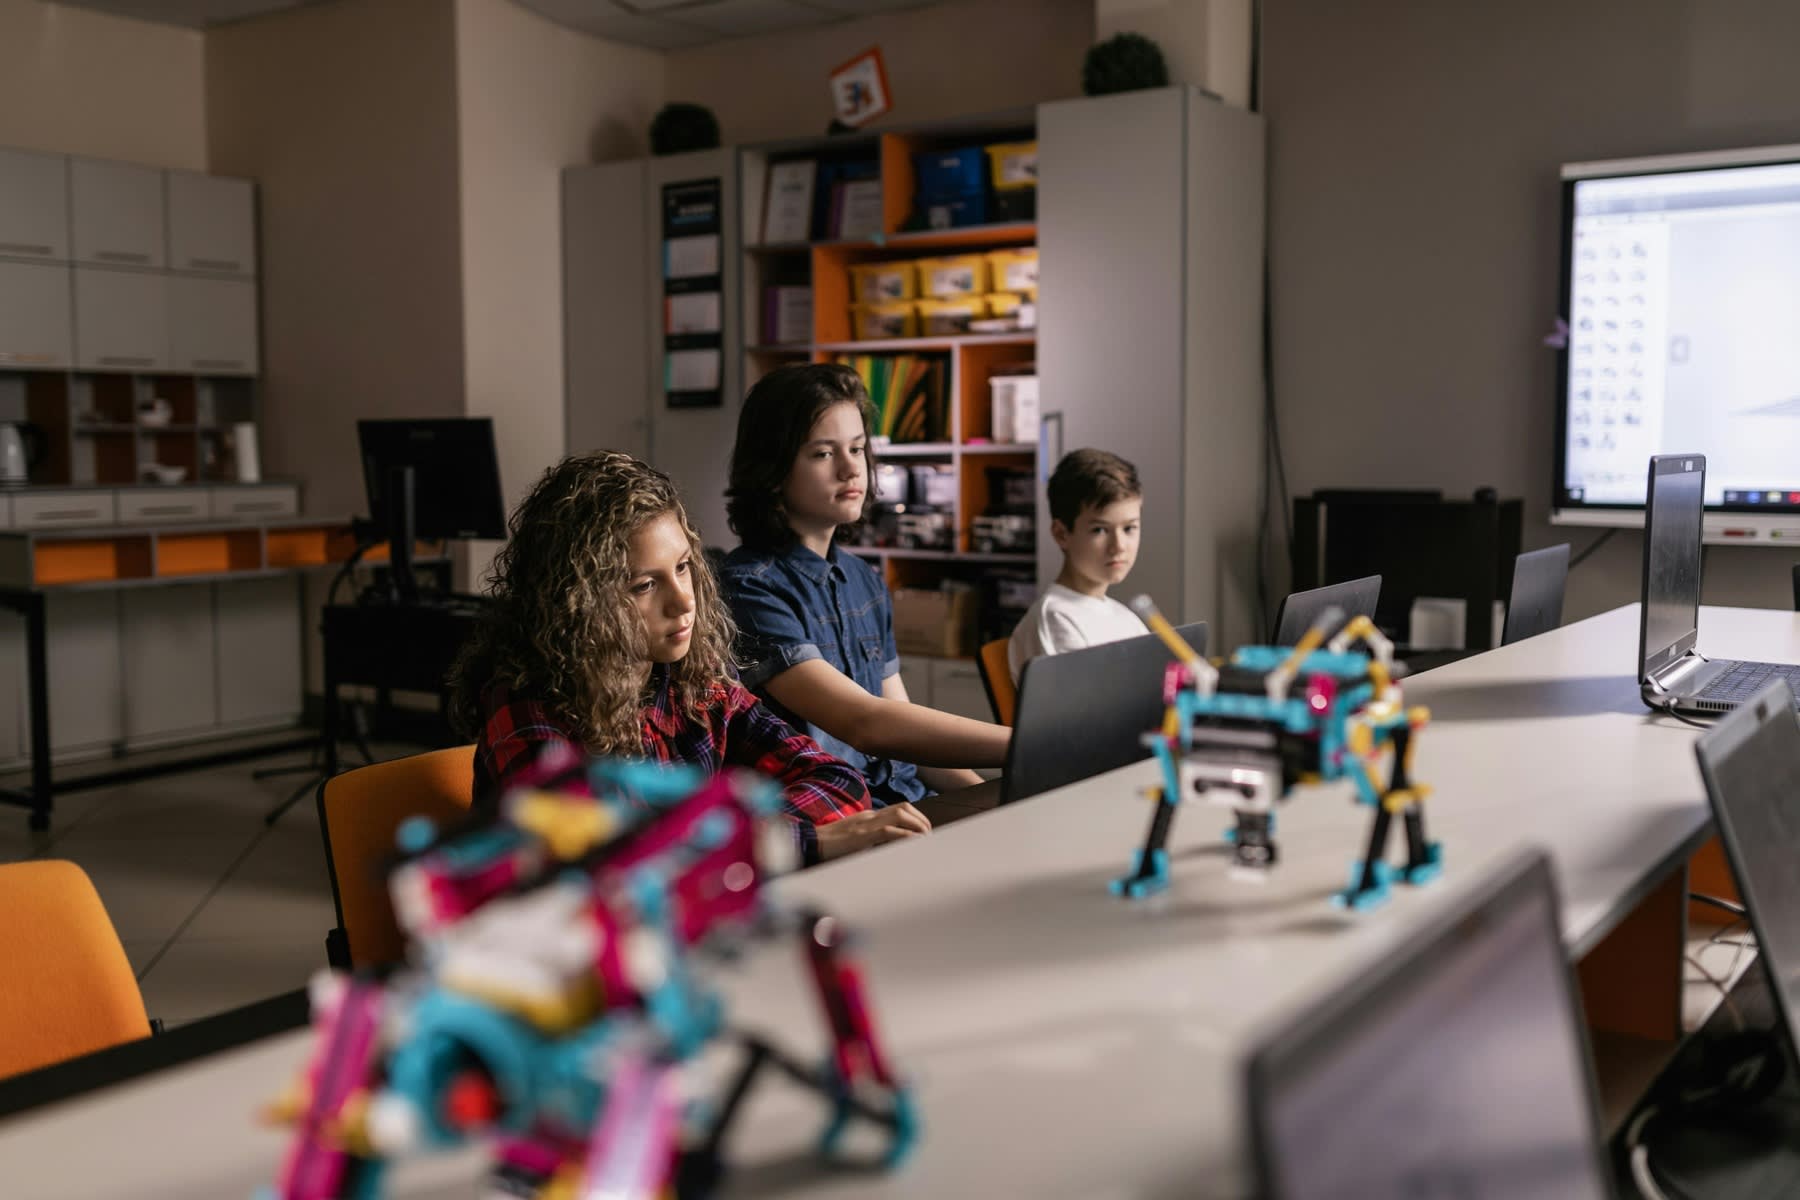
(1588, 550)
(1668, 708)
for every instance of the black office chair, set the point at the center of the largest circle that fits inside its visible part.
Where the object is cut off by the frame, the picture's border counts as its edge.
(1355, 598)
(1540, 578)
(1083, 713)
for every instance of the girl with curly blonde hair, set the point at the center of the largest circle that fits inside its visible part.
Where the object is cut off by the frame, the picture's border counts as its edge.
(607, 635)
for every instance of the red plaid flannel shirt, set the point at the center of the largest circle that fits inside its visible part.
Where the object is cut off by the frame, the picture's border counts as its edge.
(735, 730)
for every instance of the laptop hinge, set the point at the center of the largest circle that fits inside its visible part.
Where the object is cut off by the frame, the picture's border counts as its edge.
(1667, 678)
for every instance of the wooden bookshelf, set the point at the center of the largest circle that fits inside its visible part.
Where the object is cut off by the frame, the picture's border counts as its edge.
(823, 264)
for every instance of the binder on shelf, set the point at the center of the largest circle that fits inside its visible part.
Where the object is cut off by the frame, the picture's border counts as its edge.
(787, 214)
(910, 394)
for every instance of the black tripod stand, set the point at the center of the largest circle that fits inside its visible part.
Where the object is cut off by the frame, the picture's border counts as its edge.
(324, 761)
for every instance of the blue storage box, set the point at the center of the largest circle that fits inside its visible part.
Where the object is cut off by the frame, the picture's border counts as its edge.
(943, 173)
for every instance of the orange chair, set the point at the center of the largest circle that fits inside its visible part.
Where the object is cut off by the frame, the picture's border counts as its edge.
(996, 677)
(66, 987)
(360, 812)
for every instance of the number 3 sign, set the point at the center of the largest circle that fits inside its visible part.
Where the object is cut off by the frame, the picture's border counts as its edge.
(859, 89)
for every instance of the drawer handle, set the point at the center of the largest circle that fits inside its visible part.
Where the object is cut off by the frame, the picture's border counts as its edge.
(126, 360)
(69, 514)
(24, 248)
(215, 264)
(167, 510)
(218, 363)
(261, 506)
(124, 256)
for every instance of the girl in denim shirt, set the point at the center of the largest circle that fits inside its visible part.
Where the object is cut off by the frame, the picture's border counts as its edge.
(816, 626)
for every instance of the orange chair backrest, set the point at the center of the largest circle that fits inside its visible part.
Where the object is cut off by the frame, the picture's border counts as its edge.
(361, 811)
(996, 673)
(66, 987)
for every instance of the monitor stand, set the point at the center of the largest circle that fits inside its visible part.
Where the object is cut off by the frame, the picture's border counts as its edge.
(403, 586)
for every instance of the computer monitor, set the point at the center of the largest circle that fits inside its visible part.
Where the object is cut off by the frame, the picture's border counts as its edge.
(1669, 625)
(1457, 1066)
(1750, 761)
(430, 478)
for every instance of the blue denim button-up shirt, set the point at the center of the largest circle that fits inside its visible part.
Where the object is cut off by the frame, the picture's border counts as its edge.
(792, 606)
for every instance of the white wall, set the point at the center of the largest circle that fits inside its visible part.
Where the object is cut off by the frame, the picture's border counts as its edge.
(531, 98)
(951, 60)
(73, 81)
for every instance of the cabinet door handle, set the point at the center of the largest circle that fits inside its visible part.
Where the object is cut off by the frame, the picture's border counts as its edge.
(264, 506)
(1046, 459)
(126, 360)
(24, 248)
(168, 510)
(215, 264)
(219, 364)
(69, 514)
(122, 256)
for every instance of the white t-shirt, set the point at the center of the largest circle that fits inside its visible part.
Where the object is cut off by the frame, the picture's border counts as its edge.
(1063, 619)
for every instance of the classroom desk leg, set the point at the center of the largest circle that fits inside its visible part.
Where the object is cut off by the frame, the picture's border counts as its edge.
(1631, 983)
(37, 671)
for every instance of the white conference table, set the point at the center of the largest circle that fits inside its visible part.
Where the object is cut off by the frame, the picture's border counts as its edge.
(1065, 1043)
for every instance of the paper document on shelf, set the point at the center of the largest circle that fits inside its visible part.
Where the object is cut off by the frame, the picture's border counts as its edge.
(691, 257)
(692, 371)
(695, 312)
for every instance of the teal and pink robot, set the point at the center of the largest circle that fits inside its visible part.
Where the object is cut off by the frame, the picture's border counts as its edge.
(556, 997)
(1246, 732)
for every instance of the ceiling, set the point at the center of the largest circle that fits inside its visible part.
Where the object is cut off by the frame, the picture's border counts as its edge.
(658, 24)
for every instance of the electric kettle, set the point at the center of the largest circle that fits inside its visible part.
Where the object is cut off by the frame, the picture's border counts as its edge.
(21, 446)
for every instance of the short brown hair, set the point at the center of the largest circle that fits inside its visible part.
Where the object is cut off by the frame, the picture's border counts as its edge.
(1090, 479)
(777, 417)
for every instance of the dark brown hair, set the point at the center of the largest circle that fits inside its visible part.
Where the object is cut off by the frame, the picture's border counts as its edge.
(1090, 479)
(563, 630)
(778, 415)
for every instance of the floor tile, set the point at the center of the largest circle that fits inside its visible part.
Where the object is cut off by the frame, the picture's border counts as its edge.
(151, 885)
(198, 977)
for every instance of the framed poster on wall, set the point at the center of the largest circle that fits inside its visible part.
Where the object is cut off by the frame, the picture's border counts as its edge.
(693, 274)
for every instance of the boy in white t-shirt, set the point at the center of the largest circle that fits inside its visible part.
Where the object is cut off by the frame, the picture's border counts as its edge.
(1095, 507)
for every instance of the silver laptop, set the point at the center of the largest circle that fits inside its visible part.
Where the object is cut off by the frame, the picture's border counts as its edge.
(1672, 673)
(1456, 1067)
(1751, 764)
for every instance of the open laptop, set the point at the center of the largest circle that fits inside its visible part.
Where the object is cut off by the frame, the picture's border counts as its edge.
(1457, 1066)
(1299, 610)
(1672, 673)
(1751, 764)
(1084, 713)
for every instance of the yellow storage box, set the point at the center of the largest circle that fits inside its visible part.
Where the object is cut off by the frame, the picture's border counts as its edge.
(1013, 165)
(947, 318)
(953, 278)
(892, 319)
(879, 283)
(1014, 270)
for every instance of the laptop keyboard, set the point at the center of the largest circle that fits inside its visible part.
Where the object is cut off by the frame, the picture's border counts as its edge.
(1747, 678)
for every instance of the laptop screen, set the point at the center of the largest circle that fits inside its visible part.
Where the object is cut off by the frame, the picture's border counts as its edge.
(1751, 763)
(1671, 617)
(1458, 1069)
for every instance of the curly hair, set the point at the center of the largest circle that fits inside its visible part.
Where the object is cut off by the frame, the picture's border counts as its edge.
(777, 417)
(562, 629)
